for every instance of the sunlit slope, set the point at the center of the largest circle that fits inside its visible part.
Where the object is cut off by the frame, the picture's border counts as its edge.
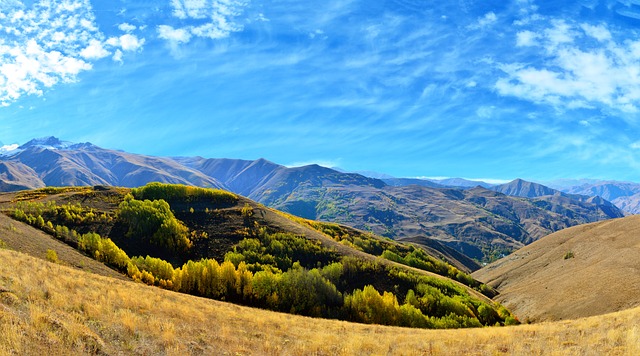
(57, 310)
(577, 272)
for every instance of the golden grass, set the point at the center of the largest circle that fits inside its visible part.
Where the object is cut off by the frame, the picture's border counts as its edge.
(57, 310)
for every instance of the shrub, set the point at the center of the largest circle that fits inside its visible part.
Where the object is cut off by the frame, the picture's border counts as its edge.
(52, 256)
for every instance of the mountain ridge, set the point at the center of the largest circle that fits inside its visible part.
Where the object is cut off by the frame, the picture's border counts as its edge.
(479, 222)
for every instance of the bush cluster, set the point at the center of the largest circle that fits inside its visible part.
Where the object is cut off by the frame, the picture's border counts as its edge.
(154, 222)
(181, 192)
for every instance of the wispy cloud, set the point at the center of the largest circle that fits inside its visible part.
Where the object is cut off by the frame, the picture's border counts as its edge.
(487, 20)
(49, 43)
(585, 65)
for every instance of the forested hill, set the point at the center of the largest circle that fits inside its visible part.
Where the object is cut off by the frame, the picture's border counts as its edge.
(216, 244)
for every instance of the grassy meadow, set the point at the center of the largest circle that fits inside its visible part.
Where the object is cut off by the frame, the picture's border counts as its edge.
(58, 310)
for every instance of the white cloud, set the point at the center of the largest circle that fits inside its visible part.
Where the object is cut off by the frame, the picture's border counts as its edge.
(635, 145)
(488, 19)
(485, 112)
(183, 9)
(131, 42)
(526, 38)
(117, 56)
(598, 32)
(8, 148)
(560, 33)
(126, 27)
(94, 50)
(126, 42)
(50, 42)
(174, 35)
(213, 19)
(576, 74)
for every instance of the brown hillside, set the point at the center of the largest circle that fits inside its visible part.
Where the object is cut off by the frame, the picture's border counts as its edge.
(581, 271)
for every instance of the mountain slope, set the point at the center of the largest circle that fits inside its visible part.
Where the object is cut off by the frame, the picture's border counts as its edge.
(17, 176)
(401, 182)
(577, 272)
(475, 221)
(522, 188)
(480, 223)
(630, 204)
(56, 163)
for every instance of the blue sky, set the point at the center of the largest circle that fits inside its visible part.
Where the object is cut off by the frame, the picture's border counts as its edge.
(476, 89)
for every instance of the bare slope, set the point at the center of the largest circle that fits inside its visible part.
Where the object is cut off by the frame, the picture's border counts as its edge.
(577, 272)
(26, 239)
(56, 310)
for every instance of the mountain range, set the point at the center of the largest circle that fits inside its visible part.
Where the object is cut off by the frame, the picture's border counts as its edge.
(481, 222)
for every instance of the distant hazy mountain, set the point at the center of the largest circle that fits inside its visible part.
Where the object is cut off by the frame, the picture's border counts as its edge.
(609, 190)
(401, 182)
(625, 195)
(376, 175)
(436, 183)
(478, 222)
(461, 183)
(567, 183)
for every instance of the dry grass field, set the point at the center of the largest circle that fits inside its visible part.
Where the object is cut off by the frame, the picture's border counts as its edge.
(58, 310)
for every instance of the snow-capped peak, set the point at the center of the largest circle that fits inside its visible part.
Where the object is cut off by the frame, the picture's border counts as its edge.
(47, 142)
